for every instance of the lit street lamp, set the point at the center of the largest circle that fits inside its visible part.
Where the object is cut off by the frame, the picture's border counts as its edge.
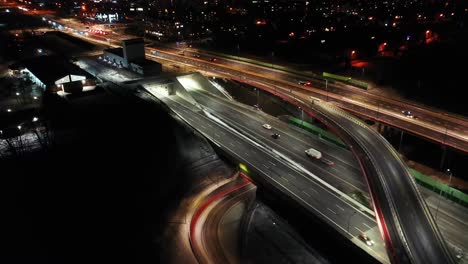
(326, 87)
(401, 139)
(302, 115)
(440, 193)
(349, 219)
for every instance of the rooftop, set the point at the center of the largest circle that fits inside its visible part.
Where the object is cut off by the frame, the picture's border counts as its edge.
(49, 69)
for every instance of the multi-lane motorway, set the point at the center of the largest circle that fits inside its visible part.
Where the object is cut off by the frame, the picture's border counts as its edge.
(402, 216)
(347, 217)
(428, 122)
(345, 175)
(439, 126)
(396, 213)
(404, 220)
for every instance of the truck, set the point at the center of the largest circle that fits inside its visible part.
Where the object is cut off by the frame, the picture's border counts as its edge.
(313, 153)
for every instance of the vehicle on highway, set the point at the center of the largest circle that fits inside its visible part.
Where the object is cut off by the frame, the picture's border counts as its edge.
(313, 153)
(267, 126)
(328, 162)
(366, 239)
(213, 59)
(275, 136)
(305, 83)
(407, 113)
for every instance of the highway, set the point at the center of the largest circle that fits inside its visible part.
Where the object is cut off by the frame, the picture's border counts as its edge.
(345, 175)
(450, 130)
(404, 220)
(408, 229)
(371, 103)
(439, 126)
(205, 235)
(403, 217)
(301, 187)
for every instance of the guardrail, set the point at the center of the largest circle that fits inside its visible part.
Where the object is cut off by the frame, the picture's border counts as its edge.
(443, 189)
(265, 64)
(422, 179)
(318, 131)
(354, 82)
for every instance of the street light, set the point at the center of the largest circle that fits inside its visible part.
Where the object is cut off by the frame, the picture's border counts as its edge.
(349, 219)
(401, 139)
(302, 115)
(378, 111)
(326, 87)
(258, 94)
(444, 148)
(440, 193)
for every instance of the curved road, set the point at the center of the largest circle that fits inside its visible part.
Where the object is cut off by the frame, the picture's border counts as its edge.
(405, 223)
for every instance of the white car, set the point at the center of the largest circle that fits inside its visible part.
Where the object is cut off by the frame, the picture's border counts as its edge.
(267, 126)
(366, 239)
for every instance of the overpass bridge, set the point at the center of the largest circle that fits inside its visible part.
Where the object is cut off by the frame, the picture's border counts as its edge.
(408, 230)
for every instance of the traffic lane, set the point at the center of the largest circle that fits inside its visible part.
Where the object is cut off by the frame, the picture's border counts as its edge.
(456, 143)
(425, 130)
(331, 86)
(255, 120)
(344, 90)
(309, 193)
(337, 88)
(347, 180)
(302, 141)
(409, 207)
(450, 217)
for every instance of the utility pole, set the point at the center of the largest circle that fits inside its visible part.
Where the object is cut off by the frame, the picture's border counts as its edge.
(326, 87)
(349, 219)
(440, 193)
(444, 150)
(302, 116)
(401, 139)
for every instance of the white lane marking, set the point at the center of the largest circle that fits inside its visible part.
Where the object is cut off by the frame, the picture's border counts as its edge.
(284, 178)
(339, 207)
(204, 127)
(331, 210)
(265, 166)
(247, 154)
(272, 163)
(359, 230)
(230, 143)
(306, 193)
(367, 225)
(216, 134)
(315, 191)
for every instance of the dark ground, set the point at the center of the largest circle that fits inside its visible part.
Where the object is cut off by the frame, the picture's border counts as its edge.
(97, 198)
(102, 193)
